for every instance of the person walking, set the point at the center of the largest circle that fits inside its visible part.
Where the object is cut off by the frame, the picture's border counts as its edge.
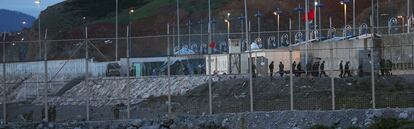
(309, 69)
(271, 68)
(341, 69)
(322, 69)
(294, 66)
(298, 70)
(347, 70)
(382, 67)
(281, 69)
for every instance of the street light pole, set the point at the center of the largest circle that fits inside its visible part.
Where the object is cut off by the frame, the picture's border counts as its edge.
(128, 54)
(189, 34)
(116, 31)
(345, 7)
(258, 15)
(277, 14)
(38, 2)
(201, 37)
(178, 24)
(227, 20)
(353, 17)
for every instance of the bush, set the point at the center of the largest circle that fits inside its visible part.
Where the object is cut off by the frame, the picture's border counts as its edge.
(320, 127)
(392, 123)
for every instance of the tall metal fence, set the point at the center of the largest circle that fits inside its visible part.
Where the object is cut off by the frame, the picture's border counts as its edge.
(81, 80)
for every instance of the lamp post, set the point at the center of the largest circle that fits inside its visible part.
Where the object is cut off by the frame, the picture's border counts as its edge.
(258, 15)
(116, 30)
(277, 14)
(38, 2)
(344, 3)
(178, 24)
(353, 17)
(189, 24)
(241, 18)
(299, 10)
(315, 23)
(319, 5)
(201, 36)
(227, 21)
(128, 54)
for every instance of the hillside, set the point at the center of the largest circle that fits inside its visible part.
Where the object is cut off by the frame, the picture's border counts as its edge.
(64, 20)
(14, 21)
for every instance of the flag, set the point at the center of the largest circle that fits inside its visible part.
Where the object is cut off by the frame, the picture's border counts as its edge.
(212, 45)
(311, 15)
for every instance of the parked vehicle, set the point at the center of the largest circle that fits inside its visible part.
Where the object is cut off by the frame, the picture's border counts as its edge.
(113, 69)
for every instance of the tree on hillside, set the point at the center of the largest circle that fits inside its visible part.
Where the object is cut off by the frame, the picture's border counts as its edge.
(100, 8)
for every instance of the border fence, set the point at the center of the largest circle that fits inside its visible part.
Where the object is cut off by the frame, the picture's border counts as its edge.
(79, 79)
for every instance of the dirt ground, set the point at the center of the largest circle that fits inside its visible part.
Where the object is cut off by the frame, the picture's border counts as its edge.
(232, 96)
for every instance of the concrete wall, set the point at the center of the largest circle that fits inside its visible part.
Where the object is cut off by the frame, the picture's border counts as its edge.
(345, 50)
(399, 48)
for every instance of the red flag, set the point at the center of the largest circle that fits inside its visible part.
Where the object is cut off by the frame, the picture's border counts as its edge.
(212, 45)
(311, 15)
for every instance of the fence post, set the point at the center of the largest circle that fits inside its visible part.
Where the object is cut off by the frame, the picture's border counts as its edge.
(250, 74)
(46, 82)
(128, 85)
(332, 76)
(168, 69)
(291, 68)
(210, 39)
(4, 81)
(87, 74)
(372, 66)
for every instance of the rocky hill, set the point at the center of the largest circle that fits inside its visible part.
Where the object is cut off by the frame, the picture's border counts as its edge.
(64, 20)
(14, 21)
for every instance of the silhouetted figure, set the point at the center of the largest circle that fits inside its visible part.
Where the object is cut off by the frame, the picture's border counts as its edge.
(281, 69)
(294, 65)
(382, 67)
(309, 69)
(271, 68)
(298, 70)
(341, 69)
(347, 70)
(389, 67)
(254, 70)
(322, 69)
(360, 70)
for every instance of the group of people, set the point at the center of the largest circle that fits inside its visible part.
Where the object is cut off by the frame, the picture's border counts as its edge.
(345, 71)
(316, 69)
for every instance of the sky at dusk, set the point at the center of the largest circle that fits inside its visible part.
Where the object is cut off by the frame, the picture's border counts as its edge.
(26, 6)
